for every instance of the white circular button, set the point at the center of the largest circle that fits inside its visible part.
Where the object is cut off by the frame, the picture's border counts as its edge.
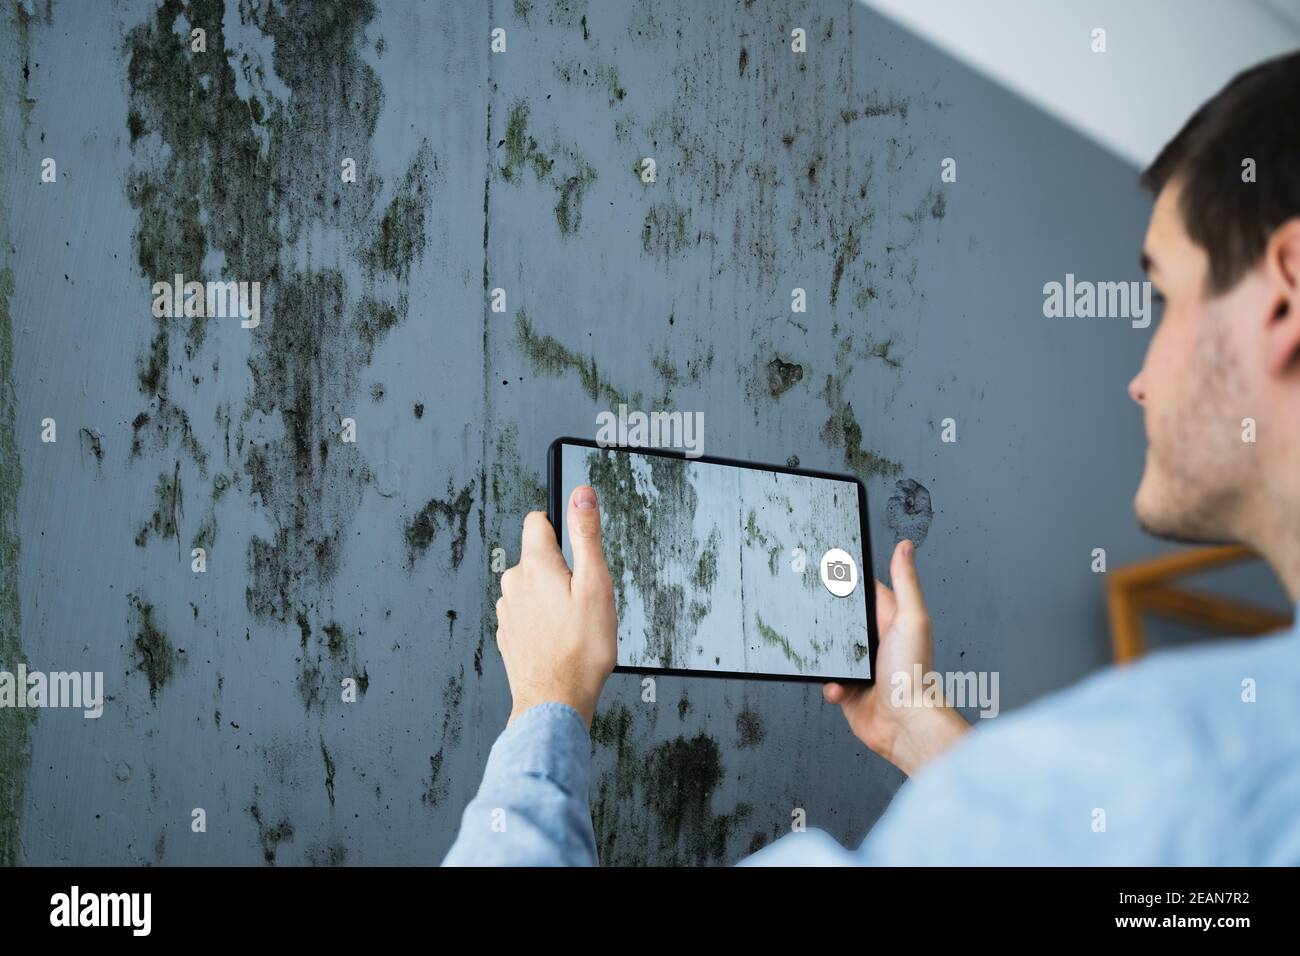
(839, 572)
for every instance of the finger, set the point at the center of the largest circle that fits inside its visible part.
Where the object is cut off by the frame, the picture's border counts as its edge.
(886, 606)
(539, 542)
(834, 693)
(584, 534)
(907, 586)
(501, 619)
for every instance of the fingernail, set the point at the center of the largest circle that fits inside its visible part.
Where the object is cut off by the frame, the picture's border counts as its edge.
(584, 497)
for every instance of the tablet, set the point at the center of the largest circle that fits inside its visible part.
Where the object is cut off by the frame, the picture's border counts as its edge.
(727, 568)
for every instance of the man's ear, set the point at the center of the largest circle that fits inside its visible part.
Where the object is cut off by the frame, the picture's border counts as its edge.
(1282, 265)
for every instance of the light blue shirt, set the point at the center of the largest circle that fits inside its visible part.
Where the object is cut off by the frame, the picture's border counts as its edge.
(1186, 758)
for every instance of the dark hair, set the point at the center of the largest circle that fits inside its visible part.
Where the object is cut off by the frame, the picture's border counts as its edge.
(1256, 116)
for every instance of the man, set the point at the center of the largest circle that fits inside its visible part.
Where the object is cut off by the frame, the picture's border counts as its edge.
(1182, 767)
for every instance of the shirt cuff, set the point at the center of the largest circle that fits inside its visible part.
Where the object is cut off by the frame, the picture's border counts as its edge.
(548, 740)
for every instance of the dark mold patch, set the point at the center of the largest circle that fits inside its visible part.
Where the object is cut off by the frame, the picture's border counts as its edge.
(15, 723)
(451, 513)
(909, 511)
(168, 508)
(656, 807)
(92, 442)
(329, 655)
(750, 731)
(231, 166)
(568, 208)
(151, 651)
(401, 239)
(666, 231)
(329, 771)
(436, 789)
(649, 525)
(270, 835)
(331, 854)
(374, 319)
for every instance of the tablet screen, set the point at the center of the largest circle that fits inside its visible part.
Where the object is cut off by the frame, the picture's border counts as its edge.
(729, 567)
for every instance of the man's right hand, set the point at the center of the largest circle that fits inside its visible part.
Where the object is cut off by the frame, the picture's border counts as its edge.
(906, 735)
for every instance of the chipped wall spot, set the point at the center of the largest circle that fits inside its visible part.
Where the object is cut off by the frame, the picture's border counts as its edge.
(782, 376)
(909, 511)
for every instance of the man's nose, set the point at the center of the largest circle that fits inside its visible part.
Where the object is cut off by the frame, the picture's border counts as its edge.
(1136, 390)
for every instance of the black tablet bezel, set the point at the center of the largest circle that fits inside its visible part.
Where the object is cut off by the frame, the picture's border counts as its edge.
(555, 511)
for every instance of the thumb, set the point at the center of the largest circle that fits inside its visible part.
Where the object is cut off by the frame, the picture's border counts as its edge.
(584, 534)
(903, 577)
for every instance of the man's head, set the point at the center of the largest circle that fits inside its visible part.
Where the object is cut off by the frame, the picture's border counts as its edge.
(1223, 253)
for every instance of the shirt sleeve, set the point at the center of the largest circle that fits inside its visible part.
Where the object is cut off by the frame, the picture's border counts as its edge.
(809, 848)
(532, 807)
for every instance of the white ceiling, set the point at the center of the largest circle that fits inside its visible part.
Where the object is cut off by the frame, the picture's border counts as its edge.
(1163, 57)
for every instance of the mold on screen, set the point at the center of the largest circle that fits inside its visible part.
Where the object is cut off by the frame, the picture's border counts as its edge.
(724, 568)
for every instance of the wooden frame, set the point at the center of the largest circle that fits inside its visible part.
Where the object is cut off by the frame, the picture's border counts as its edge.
(1147, 587)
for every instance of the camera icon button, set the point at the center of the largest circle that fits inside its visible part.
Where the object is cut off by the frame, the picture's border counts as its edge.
(839, 572)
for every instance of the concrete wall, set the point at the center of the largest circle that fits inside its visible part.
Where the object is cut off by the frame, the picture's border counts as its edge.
(372, 560)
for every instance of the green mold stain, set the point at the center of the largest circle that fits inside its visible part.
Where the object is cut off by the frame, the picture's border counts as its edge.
(548, 356)
(595, 76)
(521, 148)
(842, 430)
(773, 638)
(15, 747)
